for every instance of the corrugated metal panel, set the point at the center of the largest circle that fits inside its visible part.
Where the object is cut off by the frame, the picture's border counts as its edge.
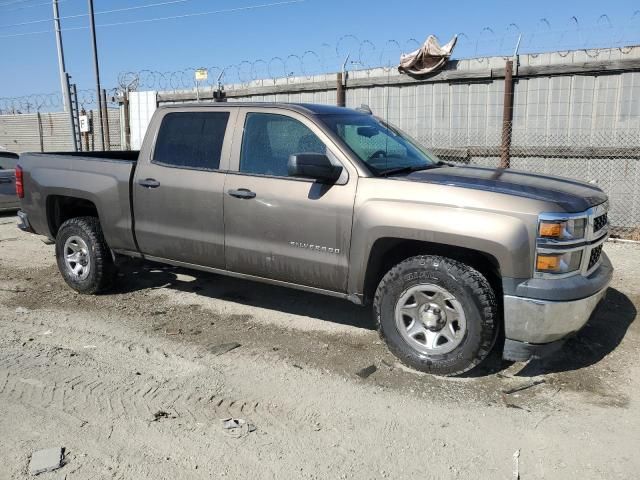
(24, 133)
(19, 133)
(556, 111)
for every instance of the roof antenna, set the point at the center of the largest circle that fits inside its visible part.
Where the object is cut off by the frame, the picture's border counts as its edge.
(220, 95)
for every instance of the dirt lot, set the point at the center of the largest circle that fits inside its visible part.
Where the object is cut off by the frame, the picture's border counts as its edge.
(94, 374)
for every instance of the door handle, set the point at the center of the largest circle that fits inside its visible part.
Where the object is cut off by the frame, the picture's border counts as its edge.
(149, 183)
(6, 180)
(242, 193)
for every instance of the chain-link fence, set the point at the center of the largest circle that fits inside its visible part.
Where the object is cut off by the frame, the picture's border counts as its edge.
(584, 127)
(572, 114)
(607, 158)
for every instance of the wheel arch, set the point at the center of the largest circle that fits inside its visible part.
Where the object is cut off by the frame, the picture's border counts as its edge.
(61, 208)
(389, 251)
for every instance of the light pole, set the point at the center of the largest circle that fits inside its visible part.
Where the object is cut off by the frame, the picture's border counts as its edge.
(64, 81)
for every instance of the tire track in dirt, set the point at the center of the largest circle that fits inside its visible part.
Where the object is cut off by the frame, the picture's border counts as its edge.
(98, 387)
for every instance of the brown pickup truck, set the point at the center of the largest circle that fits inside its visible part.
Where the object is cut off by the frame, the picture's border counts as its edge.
(338, 202)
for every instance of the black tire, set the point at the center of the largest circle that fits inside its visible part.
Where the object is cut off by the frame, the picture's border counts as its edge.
(101, 269)
(470, 288)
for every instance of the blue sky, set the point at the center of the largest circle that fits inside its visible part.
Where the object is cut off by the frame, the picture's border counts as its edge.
(29, 62)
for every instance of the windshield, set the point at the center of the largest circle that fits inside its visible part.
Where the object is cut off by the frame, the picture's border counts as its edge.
(383, 148)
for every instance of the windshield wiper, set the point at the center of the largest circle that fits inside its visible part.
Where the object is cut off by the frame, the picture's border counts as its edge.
(410, 169)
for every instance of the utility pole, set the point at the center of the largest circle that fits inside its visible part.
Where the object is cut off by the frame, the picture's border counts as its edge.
(64, 79)
(97, 69)
(63, 71)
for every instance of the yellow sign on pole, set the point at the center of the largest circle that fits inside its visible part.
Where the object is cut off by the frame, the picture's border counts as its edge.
(201, 74)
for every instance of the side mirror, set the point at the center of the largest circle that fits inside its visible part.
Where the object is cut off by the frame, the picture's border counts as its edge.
(313, 165)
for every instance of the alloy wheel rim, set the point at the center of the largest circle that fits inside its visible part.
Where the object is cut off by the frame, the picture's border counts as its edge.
(430, 319)
(76, 257)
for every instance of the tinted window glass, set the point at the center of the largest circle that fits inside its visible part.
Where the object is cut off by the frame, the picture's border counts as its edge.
(382, 147)
(269, 140)
(7, 162)
(191, 139)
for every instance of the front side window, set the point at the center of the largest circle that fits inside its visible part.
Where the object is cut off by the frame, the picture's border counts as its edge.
(191, 140)
(383, 148)
(270, 139)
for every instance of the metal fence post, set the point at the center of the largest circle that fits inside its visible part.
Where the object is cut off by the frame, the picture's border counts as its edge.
(40, 132)
(127, 123)
(507, 116)
(105, 122)
(340, 91)
(93, 131)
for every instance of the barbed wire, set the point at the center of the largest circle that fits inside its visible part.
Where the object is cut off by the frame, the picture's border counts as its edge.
(46, 102)
(350, 52)
(353, 53)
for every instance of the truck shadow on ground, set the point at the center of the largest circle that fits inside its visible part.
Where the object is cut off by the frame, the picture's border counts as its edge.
(138, 275)
(603, 333)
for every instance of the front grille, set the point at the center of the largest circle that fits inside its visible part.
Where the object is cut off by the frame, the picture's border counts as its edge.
(599, 222)
(595, 256)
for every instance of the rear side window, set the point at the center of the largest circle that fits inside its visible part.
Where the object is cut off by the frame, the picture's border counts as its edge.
(191, 140)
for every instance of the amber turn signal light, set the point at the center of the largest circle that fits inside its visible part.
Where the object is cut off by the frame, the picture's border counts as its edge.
(549, 229)
(548, 263)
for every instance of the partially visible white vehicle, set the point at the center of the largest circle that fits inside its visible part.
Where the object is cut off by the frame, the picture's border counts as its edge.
(8, 198)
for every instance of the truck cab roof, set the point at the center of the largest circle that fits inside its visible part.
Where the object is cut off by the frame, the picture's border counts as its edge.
(304, 108)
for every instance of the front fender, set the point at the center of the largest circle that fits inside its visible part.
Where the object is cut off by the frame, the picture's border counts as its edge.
(503, 236)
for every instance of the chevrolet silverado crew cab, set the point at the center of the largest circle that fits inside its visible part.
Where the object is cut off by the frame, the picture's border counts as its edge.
(337, 202)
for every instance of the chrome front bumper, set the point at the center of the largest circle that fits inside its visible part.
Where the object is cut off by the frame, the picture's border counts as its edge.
(535, 321)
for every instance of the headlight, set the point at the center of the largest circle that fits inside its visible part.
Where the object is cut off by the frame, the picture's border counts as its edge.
(558, 262)
(562, 230)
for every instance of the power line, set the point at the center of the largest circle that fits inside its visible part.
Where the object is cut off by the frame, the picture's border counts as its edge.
(173, 17)
(6, 4)
(116, 10)
(15, 2)
(138, 7)
(15, 9)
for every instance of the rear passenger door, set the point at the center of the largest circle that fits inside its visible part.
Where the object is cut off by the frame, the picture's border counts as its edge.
(279, 227)
(178, 189)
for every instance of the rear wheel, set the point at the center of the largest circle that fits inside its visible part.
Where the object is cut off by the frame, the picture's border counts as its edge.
(436, 314)
(84, 259)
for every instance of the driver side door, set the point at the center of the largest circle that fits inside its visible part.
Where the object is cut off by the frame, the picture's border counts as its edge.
(284, 228)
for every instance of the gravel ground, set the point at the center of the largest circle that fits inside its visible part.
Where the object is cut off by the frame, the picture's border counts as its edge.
(134, 384)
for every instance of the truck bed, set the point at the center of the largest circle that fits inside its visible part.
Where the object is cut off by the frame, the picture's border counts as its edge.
(102, 178)
(117, 155)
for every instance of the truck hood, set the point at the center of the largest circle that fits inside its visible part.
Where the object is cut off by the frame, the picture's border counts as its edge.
(571, 195)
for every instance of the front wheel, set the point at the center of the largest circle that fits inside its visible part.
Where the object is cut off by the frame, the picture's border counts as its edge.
(84, 259)
(436, 314)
